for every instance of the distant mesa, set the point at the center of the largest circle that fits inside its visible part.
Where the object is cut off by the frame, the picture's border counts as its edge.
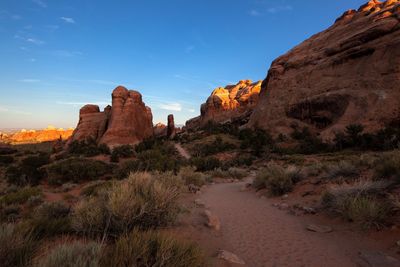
(227, 104)
(36, 136)
(349, 73)
(127, 121)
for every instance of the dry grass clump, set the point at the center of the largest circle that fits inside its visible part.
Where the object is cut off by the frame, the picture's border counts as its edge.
(388, 166)
(20, 196)
(150, 248)
(76, 254)
(360, 202)
(190, 176)
(17, 246)
(342, 169)
(143, 200)
(233, 172)
(277, 179)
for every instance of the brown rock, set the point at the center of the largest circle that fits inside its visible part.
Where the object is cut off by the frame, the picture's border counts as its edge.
(212, 220)
(171, 131)
(229, 103)
(230, 257)
(160, 129)
(319, 228)
(343, 75)
(127, 121)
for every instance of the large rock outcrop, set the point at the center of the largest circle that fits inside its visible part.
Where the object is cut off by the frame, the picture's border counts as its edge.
(127, 121)
(228, 104)
(37, 136)
(171, 130)
(349, 73)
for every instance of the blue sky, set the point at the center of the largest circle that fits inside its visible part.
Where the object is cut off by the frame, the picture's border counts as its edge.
(57, 55)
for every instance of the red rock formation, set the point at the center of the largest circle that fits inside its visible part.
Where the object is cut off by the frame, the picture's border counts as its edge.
(349, 73)
(171, 131)
(37, 136)
(127, 121)
(228, 103)
(160, 129)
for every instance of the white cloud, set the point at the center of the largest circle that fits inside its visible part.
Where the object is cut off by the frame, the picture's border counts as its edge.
(35, 41)
(279, 9)
(171, 106)
(99, 103)
(15, 111)
(254, 13)
(68, 20)
(40, 3)
(191, 110)
(30, 80)
(3, 109)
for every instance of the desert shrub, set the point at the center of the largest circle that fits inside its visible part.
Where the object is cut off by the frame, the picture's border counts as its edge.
(190, 176)
(256, 140)
(388, 166)
(10, 213)
(308, 143)
(217, 146)
(219, 173)
(6, 159)
(241, 160)
(150, 248)
(277, 179)
(237, 173)
(49, 219)
(359, 202)
(88, 148)
(124, 151)
(218, 128)
(203, 164)
(143, 200)
(20, 196)
(28, 171)
(95, 187)
(5, 150)
(159, 160)
(16, 246)
(77, 170)
(75, 254)
(344, 169)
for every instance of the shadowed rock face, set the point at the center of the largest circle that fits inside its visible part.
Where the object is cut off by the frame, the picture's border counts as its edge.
(127, 121)
(228, 103)
(349, 73)
(171, 131)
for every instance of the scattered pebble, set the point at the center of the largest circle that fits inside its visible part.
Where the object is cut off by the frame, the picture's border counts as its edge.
(230, 257)
(285, 196)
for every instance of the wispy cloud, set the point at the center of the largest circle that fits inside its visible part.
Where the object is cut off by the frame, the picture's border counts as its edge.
(170, 106)
(35, 41)
(191, 110)
(40, 3)
(68, 20)
(279, 9)
(254, 13)
(103, 82)
(29, 80)
(65, 53)
(269, 10)
(16, 17)
(4, 109)
(99, 103)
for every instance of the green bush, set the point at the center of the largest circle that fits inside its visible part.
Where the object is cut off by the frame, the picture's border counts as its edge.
(124, 151)
(29, 171)
(20, 196)
(257, 140)
(88, 148)
(17, 247)
(143, 200)
(76, 254)
(237, 173)
(205, 164)
(277, 179)
(77, 170)
(190, 176)
(217, 146)
(308, 143)
(150, 248)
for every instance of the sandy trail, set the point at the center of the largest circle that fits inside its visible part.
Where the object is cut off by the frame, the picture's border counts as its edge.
(265, 236)
(182, 151)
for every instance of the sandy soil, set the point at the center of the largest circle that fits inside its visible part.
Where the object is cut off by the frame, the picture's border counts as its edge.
(263, 235)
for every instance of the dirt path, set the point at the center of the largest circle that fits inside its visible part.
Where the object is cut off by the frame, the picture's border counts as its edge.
(262, 235)
(182, 151)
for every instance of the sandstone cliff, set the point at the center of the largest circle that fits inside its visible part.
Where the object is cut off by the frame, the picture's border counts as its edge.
(37, 136)
(228, 103)
(127, 121)
(349, 73)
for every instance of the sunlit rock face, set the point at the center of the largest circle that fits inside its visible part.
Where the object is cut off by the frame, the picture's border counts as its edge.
(37, 136)
(349, 73)
(127, 121)
(160, 130)
(228, 103)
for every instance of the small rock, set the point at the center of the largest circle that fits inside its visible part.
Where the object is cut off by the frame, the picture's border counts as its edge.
(285, 196)
(319, 228)
(283, 206)
(398, 243)
(212, 220)
(199, 203)
(230, 257)
(309, 210)
(377, 259)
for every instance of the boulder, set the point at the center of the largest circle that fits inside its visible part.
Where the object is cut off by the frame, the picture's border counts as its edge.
(346, 74)
(227, 104)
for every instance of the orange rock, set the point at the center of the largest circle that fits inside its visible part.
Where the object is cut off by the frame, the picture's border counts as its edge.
(346, 74)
